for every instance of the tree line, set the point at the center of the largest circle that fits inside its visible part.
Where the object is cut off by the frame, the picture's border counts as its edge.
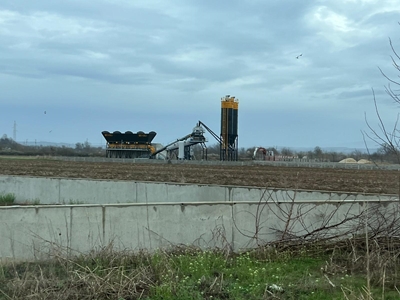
(10, 147)
(383, 155)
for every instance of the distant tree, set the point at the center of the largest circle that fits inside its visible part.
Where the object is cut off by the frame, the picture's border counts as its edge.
(378, 156)
(242, 152)
(197, 151)
(310, 154)
(301, 154)
(335, 156)
(79, 147)
(213, 149)
(357, 154)
(273, 149)
(250, 150)
(247, 153)
(286, 151)
(65, 151)
(318, 153)
(86, 145)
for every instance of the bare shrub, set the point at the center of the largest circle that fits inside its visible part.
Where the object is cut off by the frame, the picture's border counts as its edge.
(358, 238)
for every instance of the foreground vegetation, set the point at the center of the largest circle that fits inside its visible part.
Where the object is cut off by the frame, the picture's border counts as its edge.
(190, 273)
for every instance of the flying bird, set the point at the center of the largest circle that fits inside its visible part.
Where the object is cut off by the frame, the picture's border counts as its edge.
(44, 112)
(299, 56)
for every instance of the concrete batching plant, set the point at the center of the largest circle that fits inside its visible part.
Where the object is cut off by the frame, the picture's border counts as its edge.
(129, 144)
(229, 128)
(139, 145)
(182, 148)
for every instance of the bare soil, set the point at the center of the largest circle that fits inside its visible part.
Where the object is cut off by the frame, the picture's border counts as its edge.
(327, 179)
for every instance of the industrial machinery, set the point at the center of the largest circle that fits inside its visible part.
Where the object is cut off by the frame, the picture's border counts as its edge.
(182, 148)
(129, 144)
(139, 145)
(229, 128)
(261, 153)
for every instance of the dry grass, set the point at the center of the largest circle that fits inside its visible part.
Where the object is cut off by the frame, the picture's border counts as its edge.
(314, 271)
(103, 275)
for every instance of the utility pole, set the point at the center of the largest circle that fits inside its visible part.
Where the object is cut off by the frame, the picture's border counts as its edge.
(15, 132)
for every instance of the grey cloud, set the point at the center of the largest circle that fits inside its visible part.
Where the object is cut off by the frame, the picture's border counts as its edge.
(137, 52)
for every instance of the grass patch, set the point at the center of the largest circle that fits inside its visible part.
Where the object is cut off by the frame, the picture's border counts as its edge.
(7, 199)
(35, 201)
(73, 202)
(189, 273)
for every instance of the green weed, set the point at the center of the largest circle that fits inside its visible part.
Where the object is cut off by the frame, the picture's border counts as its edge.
(35, 202)
(7, 199)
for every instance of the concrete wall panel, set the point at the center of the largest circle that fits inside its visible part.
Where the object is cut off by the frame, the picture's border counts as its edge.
(126, 227)
(240, 194)
(33, 232)
(196, 193)
(156, 226)
(254, 224)
(87, 227)
(31, 188)
(83, 191)
(202, 225)
(151, 192)
(38, 232)
(74, 191)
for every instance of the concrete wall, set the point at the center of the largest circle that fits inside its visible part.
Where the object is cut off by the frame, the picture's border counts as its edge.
(39, 232)
(83, 191)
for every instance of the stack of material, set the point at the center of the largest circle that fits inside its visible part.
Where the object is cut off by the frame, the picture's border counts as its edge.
(348, 161)
(364, 161)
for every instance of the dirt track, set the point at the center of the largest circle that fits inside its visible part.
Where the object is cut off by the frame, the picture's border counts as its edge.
(368, 181)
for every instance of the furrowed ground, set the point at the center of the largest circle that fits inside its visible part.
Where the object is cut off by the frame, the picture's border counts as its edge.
(327, 179)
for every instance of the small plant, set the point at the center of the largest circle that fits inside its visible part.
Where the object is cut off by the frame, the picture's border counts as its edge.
(35, 201)
(7, 199)
(72, 202)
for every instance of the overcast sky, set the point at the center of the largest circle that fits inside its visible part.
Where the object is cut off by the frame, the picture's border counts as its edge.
(144, 65)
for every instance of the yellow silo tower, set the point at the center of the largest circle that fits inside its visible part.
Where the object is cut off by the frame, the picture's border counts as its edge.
(229, 128)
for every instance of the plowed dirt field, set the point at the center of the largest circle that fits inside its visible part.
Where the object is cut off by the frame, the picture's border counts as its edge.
(327, 179)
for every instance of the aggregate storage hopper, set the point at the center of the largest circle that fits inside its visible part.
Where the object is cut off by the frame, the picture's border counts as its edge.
(129, 144)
